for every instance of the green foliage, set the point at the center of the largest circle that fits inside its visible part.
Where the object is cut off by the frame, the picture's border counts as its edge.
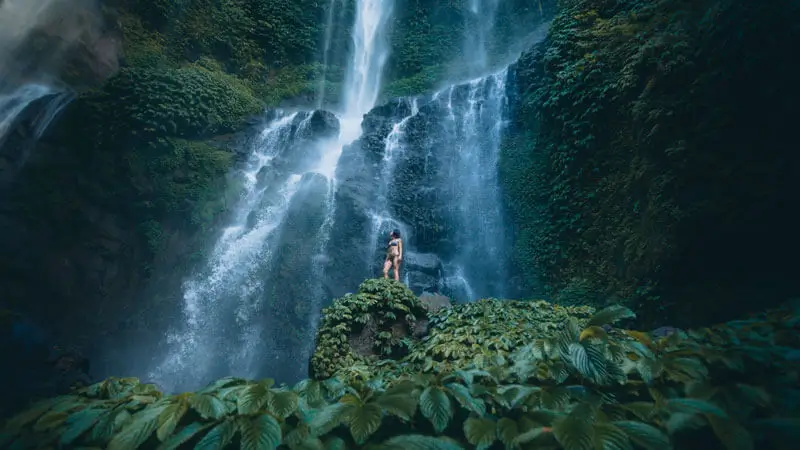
(236, 32)
(628, 390)
(629, 158)
(380, 318)
(192, 101)
(485, 333)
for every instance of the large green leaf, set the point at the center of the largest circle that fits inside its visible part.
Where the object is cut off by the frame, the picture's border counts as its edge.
(610, 437)
(328, 418)
(513, 395)
(364, 420)
(183, 435)
(138, 430)
(696, 406)
(435, 405)
(297, 435)
(335, 443)
(574, 431)
(261, 433)
(79, 423)
(465, 398)
(610, 315)
(253, 399)
(208, 406)
(644, 435)
(29, 415)
(507, 431)
(109, 424)
(49, 421)
(283, 403)
(642, 410)
(221, 383)
(730, 433)
(170, 418)
(480, 432)
(589, 361)
(219, 436)
(420, 442)
(401, 405)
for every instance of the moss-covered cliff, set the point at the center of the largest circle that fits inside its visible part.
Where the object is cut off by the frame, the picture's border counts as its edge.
(650, 156)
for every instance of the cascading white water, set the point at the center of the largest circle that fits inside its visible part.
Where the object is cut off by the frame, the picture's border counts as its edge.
(452, 152)
(476, 42)
(235, 310)
(27, 75)
(476, 133)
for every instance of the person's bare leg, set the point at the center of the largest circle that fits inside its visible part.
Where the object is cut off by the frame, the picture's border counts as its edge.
(396, 265)
(386, 265)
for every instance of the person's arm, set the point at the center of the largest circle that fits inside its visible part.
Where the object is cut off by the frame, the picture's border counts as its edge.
(400, 245)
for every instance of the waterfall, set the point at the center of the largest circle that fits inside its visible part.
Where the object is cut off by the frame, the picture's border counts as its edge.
(476, 43)
(442, 157)
(28, 74)
(253, 308)
(326, 48)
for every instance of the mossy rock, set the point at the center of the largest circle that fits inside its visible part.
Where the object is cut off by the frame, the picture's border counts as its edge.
(378, 322)
(587, 386)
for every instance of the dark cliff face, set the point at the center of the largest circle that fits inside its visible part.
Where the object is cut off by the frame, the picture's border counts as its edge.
(656, 155)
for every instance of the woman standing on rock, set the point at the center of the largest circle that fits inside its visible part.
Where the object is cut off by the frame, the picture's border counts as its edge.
(394, 255)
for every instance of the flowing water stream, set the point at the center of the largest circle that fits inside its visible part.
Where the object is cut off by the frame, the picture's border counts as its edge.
(254, 307)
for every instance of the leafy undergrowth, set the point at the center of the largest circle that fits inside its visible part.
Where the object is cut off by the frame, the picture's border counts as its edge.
(382, 315)
(587, 386)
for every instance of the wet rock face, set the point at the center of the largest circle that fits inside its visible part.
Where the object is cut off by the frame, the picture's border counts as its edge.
(36, 368)
(319, 125)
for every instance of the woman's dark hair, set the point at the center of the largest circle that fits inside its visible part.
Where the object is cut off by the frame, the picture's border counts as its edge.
(396, 233)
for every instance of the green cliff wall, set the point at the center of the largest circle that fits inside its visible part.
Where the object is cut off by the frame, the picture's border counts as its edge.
(649, 159)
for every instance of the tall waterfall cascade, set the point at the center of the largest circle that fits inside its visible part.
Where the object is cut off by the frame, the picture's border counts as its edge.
(254, 307)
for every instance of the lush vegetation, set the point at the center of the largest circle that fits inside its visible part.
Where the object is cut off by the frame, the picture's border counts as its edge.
(495, 375)
(649, 149)
(428, 40)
